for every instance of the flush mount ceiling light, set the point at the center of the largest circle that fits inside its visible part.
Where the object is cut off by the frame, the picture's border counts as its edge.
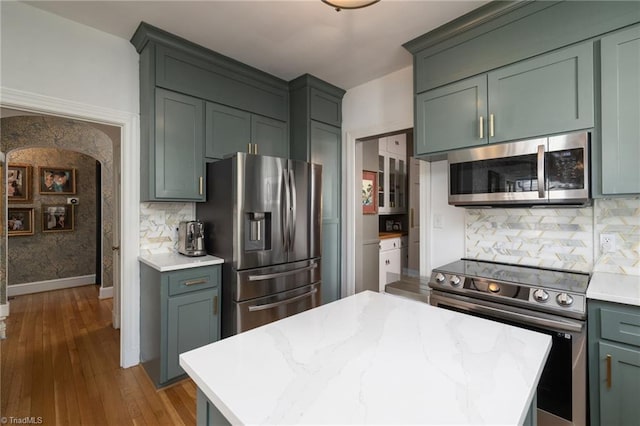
(349, 4)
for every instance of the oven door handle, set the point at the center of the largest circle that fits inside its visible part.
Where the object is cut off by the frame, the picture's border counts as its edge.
(500, 312)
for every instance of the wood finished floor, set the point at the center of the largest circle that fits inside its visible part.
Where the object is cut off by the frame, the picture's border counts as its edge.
(60, 362)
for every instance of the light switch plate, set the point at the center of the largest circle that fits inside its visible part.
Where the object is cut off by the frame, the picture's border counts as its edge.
(607, 243)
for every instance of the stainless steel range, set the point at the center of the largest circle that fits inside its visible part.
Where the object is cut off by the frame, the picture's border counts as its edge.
(549, 301)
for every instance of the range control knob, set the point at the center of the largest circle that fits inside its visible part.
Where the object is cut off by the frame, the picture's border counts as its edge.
(564, 299)
(540, 295)
(455, 280)
(439, 277)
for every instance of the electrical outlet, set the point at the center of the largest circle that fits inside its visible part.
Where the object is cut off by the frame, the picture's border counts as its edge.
(607, 243)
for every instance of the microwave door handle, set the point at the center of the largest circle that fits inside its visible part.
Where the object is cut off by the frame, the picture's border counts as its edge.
(541, 189)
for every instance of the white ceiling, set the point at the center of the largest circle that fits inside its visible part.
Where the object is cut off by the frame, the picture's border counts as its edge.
(283, 38)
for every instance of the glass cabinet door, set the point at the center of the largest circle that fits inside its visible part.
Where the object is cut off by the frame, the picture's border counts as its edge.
(393, 182)
(381, 183)
(402, 185)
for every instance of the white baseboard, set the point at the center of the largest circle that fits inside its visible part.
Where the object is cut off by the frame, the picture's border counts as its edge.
(37, 287)
(4, 310)
(105, 293)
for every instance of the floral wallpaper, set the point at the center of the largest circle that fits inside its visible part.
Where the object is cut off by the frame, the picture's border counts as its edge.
(20, 132)
(62, 254)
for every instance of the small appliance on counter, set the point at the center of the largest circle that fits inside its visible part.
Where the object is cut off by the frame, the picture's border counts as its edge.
(191, 238)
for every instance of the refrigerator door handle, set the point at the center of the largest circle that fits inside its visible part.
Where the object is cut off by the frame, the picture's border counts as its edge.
(293, 212)
(284, 210)
(281, 274)
(253, 308)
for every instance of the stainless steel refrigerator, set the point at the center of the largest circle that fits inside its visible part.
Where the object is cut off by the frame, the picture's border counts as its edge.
(263, 217)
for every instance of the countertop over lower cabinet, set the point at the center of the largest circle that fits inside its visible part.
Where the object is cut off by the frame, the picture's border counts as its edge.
(386, 235)
(617, 288)
(371, 358)
(165, 262)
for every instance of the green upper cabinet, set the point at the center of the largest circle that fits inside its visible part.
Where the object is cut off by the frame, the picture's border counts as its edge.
(269, 136)
(545, 95)
(549, 94)
(450, 117)
(196, 103)
(620, 95)
(229, 130)
(178, 166)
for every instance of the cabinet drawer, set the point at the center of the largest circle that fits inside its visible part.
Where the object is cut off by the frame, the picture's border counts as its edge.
(193, 280)
(623, 327)
(390, 244)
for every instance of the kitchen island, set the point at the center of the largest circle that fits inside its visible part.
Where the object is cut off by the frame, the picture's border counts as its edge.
(371, 358)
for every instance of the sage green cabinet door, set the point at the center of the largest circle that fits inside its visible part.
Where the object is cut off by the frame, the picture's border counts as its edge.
(326, 149)
(548, 94)
(450, 117)
(192, 321)
(620, 94)
(228, 130)
(270, 136)
(179, 147)
(619, 401)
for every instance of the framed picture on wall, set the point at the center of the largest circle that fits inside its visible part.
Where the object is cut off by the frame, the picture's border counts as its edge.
(18, 183)
(56, 180)
(369, 192)
(20, 221)
(57, 217)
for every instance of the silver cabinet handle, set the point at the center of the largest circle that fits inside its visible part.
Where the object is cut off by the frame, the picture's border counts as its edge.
(481, 127)
(201, 184)
(249, 148)
(254, 308)
(541, 191)
(281, 274)
(255, 148)
(196, 282)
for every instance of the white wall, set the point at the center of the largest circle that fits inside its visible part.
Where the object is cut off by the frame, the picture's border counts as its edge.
(45, 54)
(52, 65)
(385, 105)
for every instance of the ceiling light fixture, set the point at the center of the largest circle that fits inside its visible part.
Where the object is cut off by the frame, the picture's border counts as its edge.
(349, 4)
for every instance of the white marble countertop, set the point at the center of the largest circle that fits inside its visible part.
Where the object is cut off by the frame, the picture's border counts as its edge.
(617, 288)
(165, 262)
(373, 358)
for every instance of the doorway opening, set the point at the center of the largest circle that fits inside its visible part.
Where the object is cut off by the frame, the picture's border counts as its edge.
(88, 154)
(387, 226)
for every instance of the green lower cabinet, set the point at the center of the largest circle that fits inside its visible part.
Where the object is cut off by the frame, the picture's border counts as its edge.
(620, 93)
(614, 363)
(179, 311)
(192, 321)
(229, 130)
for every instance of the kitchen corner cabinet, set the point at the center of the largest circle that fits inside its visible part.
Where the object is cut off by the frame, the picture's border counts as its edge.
(620, 97)
(614, 363)
(179, 311)
(316, 136)
(547, 94)
(229, 130)
(176, 171)
(392, 174)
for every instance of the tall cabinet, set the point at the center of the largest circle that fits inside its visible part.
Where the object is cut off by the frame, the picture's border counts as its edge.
(316, 136)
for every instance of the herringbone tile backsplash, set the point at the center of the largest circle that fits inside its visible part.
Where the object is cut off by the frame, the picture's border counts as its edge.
(564, 238)
(158, 224)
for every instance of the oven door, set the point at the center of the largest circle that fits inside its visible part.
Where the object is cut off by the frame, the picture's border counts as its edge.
(562, 392)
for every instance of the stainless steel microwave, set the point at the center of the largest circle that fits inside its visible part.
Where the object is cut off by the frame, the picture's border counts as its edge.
(544, 171)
